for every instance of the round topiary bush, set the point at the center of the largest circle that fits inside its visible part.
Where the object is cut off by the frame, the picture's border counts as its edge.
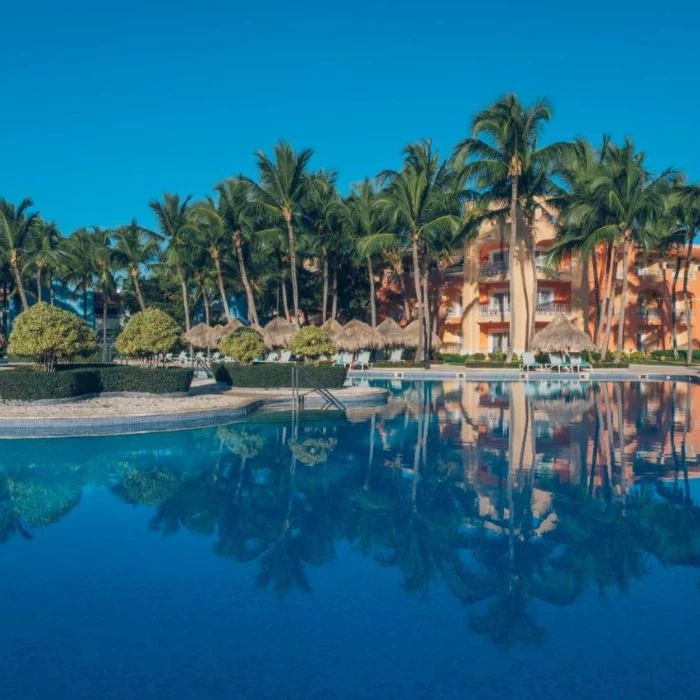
(312, 342)
(148, 334)
(48, 334)
(243, 345)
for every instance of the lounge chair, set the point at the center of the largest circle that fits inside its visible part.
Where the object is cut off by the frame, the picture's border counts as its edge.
(577, 363)
(529, 362)
(270, 357)
(362, 361)
(286, 356)
(396, 355)
(556, 362)
(345, 359)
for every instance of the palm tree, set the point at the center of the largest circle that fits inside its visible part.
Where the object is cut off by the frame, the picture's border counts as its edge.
(282, 190)
(44, 253)
(502, 152)
(176, 227)
(365, 220)
(323, 215)
(689, 219)
(238, 218)
(16, 224)
(105, 263)
(423, 201)
(135, 248)
(78, 265)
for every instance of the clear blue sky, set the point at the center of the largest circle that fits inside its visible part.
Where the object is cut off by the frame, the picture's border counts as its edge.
(106, 107)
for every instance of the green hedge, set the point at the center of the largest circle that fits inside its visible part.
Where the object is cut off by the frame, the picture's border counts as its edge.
(279, 376)
(68, 381)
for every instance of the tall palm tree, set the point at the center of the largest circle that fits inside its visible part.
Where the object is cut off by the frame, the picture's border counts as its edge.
(282, 190)
(502, 151)
(365, 220)
(239, 221)
(44, 253)
(323, 215)
(135, 247)
(78, 265)
(423, 201)
(689, 220)
(16, 224)
(172, 215)
(105, 265)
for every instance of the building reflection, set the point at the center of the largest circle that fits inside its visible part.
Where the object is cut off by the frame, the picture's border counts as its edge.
(511, 495)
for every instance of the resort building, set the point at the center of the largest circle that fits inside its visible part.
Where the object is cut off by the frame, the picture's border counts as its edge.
(475, 305)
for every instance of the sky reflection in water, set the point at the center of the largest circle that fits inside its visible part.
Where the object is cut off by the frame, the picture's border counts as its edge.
(467, 540)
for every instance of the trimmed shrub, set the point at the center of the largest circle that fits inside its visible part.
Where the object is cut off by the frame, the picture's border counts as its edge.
(147, 334)
(243, 345)
(65, 383)
(478, 356)
(48, 334)
(312, 342)
(279, 376)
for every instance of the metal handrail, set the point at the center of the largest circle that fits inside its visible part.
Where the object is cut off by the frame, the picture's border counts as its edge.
(321, 390)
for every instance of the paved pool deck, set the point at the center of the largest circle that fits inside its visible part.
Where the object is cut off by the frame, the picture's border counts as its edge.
(207, 404)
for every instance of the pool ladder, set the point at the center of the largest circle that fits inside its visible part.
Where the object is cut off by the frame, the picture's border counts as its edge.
(298, 396)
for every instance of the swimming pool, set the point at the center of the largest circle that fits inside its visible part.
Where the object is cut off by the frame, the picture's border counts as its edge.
(466, 540)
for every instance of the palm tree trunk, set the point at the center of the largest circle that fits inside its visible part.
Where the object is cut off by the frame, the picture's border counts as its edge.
(85, 300)
(220, 284)
(610, 310)
(607, 300)
(38, 284)
(49, 279)
(334, 290)
(372, 299)
(532, 315)
(511, 259)
(623, 300)
(293, 267)
(674, 313)
(104, 327)
(14, 266)
(420, 352)
(250, 299)
(137, 288)
(205, 302)
(185, 301)
(324, 299)
(285, 303)
(596, 292)
(427, 317)
(686, 299)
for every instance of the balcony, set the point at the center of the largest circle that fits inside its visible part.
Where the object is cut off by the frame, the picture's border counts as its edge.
(649, 316)
(551, 308)
(453, 313)
(455, 269)
(648, 273)
(493, 269)
(494, 313)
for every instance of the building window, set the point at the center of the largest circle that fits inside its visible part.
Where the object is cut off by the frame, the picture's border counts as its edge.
(498, 342)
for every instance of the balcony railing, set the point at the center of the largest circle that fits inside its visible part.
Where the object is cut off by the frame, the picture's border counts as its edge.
(453, 312)
(551, 308)
(495, 312)
(649, 315)
(493, 269)
(649, 273)
(455, 269)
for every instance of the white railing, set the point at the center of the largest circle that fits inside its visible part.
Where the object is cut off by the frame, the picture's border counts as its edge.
(649, 273)
(551, 307)
(493, 268)
(453, 312)
(649, 314)
(454, 269)
(494, 311)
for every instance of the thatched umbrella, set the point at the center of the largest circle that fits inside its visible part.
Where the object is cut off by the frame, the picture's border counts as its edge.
(202, 336)
(391, 333)
(560, 335)
(357, 335)
(333, 327)
(233, 325)
(278, 333)
(411, 336)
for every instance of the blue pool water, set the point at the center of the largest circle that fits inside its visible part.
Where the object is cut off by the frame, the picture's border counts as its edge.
(465, 541)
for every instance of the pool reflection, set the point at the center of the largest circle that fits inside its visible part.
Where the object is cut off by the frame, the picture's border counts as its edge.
(506, 494)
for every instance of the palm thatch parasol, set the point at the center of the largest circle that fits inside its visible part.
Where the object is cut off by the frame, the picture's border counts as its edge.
(357, 335)
(560, 335)
(278, 333)
(202, 336)
(411, 336)
(391, 333)
(233, 325)
(333, 327)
